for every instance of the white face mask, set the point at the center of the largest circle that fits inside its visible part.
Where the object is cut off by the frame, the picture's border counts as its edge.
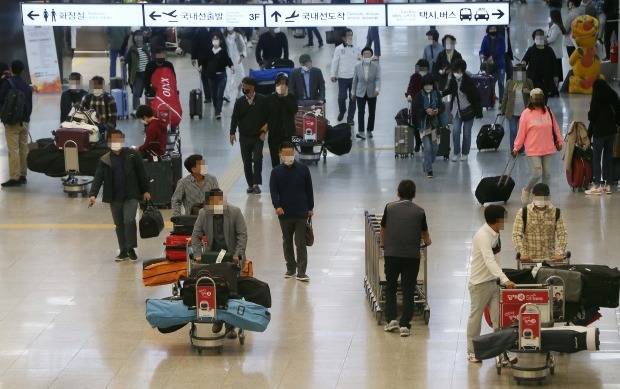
(423, 72)
(231, 29)
(540, 202)
(428, 88)
(216, 43)
(143, 121)
(116, 146)
(203, 170)
(218, 209)
(366, 60)
(276, 30)
(74, 85)
(457, 75)
(539, 42)
(279, 89)
(288, 159)
(98, 92)
(305, 68)
(349, 41)
(449, 46)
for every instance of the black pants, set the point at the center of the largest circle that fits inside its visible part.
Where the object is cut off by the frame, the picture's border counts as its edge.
(408, 269)
(361, 111)
(206, 86)
(274, 148)
(252, 156)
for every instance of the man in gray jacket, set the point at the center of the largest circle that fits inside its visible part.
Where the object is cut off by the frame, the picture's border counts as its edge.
(307, 82)
(223, 225)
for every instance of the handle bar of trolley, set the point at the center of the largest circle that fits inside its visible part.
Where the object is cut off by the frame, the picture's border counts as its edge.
(567, 255)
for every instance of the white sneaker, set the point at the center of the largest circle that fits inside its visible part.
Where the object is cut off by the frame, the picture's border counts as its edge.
(391, 326)
(249, 45)
(404, 332)
(472, 358)
(595, 190)
(525, 196)
(463, 158)
(512, 359)
(455, 157)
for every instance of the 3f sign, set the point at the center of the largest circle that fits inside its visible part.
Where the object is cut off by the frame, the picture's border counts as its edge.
(254, 16)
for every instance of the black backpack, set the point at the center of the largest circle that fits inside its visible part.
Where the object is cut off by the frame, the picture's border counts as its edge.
(14, 104)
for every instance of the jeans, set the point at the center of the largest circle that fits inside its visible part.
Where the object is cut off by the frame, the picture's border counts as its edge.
(602, 146)
(114, 55)
(124, 216)
(482, 295)
(311, 38)
(218, 85)
(206, 88)
(514, 128)
(373, 36)
(252, 156)
(344, 94)
(456, 135)
(294, 230)
(17, 145)
(408, 269)
(541, 167)
(138, 89)
(500, 76)
(430, 152)
(361, 111)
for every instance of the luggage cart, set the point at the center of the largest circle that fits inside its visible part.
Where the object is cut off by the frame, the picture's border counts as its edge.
(309, 142)
(200, 333)
(72, 184)
(534, 262)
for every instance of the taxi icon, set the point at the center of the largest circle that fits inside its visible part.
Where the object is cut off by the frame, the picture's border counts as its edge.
(481, 14)
(465, 14)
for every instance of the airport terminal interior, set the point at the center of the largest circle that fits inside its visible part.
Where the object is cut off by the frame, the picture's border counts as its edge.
(72, 317)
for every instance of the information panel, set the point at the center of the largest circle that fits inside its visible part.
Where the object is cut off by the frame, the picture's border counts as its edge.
(172, 15)
(108, 15)
(320, 15)
(448, 14)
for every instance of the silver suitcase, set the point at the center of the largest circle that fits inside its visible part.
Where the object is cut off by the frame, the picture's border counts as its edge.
(403, 141)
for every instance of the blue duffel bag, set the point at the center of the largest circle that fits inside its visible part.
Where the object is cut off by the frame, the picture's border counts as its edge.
(245, 315)
(162, 313)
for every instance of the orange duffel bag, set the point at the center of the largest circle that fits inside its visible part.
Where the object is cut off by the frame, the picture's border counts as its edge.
(163, 272)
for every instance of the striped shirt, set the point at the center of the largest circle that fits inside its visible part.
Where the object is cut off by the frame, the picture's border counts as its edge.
(540, 233)
(143, 59)
(189, 193)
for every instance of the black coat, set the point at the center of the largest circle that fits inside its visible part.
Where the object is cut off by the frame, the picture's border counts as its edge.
(469, 89)
(604, 115)
(136, 180)
(443, 63)
(541, 67)
(281, 117)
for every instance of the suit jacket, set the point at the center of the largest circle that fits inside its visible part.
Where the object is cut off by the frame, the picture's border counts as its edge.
(361, 85)
(235, 231)
(297, 87)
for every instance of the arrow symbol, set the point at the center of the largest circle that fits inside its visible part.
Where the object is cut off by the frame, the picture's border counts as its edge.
(499, 13)
(154, 16)
(276, 15)
(31, 14)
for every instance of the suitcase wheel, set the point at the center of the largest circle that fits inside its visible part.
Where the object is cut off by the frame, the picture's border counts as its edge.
(191, 117)
(200, 117)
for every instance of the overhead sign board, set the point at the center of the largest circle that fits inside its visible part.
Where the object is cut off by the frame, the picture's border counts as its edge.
(448, 14)
(108, 15)
(172, 15)
(319, 15)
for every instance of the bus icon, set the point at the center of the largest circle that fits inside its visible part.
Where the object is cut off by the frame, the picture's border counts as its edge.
(465, 14)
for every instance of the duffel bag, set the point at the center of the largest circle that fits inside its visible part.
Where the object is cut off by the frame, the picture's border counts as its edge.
(570, 339)
(162, 272)
(521, 276)
(162, 313)
(491, 345)
(245, 315)
(151, 223)
(188, 290)
(572, 281)
(600, 284)
(255, 291)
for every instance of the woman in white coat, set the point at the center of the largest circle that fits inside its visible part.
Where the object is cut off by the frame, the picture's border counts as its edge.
(237, 52)
(555, 33)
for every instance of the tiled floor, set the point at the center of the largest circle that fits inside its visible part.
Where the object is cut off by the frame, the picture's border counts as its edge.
(70, 317)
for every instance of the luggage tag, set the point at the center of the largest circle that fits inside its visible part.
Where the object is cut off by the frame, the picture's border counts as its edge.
(220, 256)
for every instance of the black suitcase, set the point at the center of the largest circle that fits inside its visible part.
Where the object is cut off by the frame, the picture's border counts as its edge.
(117, 83)
(177, 168)
(498, 188)
(255, 291)
(195, 103)
(490, 135)
(183, 225)
(160, 177)
(443, 148)
(600, 284)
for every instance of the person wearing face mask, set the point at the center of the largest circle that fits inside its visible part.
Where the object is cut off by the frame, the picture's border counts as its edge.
(307, 82)
(72, 97)
(271, 45)
(540, 134)
(493, 50)
(192, 188)
(102, 102)
(541, 65)
(292, 197)
(346, 57)
(433, 49)
(156, 137)
(538, 231)
(125, 183)
(216, 62)
(443, 65)
(237, 52)
(429, 108)
(137, 57)
(282, 107)
(413, 89)
(365, 89)
(516, 98)
(554, 40)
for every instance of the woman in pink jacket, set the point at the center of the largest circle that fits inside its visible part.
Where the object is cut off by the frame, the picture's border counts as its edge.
(540, 134)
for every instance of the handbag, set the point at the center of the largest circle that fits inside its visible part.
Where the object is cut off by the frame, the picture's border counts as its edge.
(332, 38)
(309, 233)
(151, 223)
(555, 137)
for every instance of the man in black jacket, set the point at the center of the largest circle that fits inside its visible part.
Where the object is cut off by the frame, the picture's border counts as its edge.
(201, 45)
(124, 180)
(250, 115)
(272, 44)
(151, 67)
(282, 107)
(307, 82)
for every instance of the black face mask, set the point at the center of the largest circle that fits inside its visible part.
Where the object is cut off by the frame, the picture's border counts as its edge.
(493, 33)
(245, 91)
(159, 62)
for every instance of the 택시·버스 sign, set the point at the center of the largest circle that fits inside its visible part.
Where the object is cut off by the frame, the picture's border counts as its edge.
(173, 15)
(108, 15)
(324, 15)
(448, 14)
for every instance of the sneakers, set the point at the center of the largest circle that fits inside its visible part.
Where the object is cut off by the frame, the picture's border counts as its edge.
(463, 158)
(250, 190)
(595, 190)
(429, 174)
(289, 274)
(455, 157)
(417, 148)
(321, 44)
(404, 332)
(23, 181)
(472, 358)
(370, 134)
(351, 122)
(133, 115)
(257, 190)
(512, 359)
(218, 116)
(360, 135)
(249, 45)
(525, 196)
(122, 256)
(10, 183)
(303, 277)
(133, 257)
(606, 190)
(340, 116)
(391, 326)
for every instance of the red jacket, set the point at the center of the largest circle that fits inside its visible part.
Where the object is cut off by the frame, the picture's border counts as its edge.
(156, 131)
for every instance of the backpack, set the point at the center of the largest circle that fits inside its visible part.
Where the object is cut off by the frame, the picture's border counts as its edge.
(524, 216)
(14, 105)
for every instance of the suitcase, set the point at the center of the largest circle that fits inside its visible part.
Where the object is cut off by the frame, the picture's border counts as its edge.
(176, 247)
(309, 126)
(579, 176)
(183, 225)
(166, 313)
(486, 87)
(299, 33)
(80, 136)
(443, 147)
(116, 83)
(195, 103)
(498, 188)
(177, 168)
(93, 137)
(600, 284)
(160, 177)
(162, 272)
(122, 103)
(221, 273)
(403, 141)
(255, 291)
(490, 135)
(245, 315)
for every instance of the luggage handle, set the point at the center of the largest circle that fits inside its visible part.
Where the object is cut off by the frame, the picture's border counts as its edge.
(496, 117)
(507, 172)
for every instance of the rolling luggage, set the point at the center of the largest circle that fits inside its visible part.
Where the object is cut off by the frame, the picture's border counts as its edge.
(160, 177)
(177, 168)
(176, 247)
(255, 291)
(225, 276)
(195, 103)
(403, 141)
(166, 313)
(80, 136)
(490, 135)
(122, 103)
(498, 188)
(443, 146)
(579, 176)
(162, 272)
(310, 126)
(93, 130)
(486, 87)
(116, 83)
(245, 315)
(600, 284)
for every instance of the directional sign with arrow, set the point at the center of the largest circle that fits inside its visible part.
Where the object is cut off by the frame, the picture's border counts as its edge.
(324, 15)
(276, 15)
(448, 14)
(154, 16)
(63, 14)
(31, 15)
(499, 14)
(207, 15)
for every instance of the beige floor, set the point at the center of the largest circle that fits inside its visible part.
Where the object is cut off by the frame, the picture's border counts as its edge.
(70, 317)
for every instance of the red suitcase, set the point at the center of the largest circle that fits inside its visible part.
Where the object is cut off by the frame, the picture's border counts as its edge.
(176, 246)
(579, 176)
(78, 135)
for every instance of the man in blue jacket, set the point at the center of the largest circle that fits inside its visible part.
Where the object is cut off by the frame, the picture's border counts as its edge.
(293, 200)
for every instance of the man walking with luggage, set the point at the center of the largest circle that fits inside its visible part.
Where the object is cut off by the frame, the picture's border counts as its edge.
(125, 183)
(16, 107)
(292, 197)
(271, 45)
(192, 188)
(346, 56)
(403, 227)
(536, 227)
(282, 107)
(484, 272)
(307, 82)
